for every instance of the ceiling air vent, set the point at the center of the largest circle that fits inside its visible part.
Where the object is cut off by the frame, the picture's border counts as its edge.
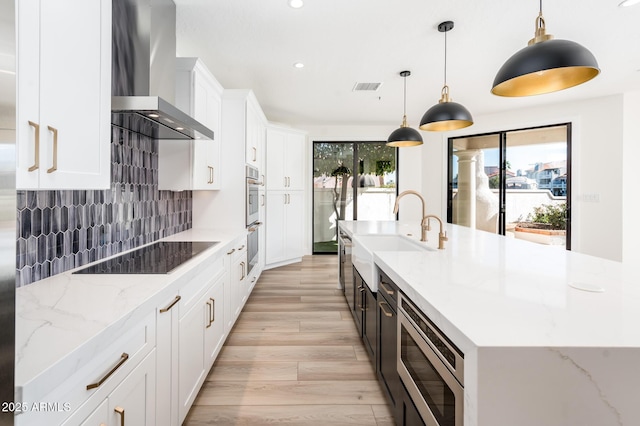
(366, 87)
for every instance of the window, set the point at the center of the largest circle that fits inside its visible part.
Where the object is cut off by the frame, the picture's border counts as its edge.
(513, 181)
(336, 166)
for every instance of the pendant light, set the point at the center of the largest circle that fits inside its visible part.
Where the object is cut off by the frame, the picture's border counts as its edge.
(446, 115)
(544, 66)
(404, 135)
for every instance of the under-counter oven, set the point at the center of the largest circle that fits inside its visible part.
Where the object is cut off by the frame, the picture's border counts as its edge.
(430, 366)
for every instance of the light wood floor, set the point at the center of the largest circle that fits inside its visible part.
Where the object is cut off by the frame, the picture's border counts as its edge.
(294, 357)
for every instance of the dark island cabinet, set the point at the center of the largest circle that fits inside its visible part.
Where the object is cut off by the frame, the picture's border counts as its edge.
(387, 338)
(406, 412)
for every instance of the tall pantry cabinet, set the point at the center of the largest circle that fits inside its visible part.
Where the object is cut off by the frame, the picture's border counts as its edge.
(285, 210)
(64, 94)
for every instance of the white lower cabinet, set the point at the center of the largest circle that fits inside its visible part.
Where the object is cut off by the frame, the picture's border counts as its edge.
(201, 332)
(284, 228)
(238, 279)
(132, 402)
(167, 317)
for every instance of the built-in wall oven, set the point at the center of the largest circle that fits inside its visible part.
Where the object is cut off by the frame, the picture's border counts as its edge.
(430, 366)
(252, 195)
(253, 241)
(253, 216)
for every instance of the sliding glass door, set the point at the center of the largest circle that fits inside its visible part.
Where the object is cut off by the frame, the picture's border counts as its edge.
(515, 183)
(351, 181)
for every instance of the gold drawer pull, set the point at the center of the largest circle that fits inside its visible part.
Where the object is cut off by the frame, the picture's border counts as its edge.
(176, 300)
(384, 311)
(386, 289)
(54, 166)
(210, 321)
(123, 358)
(36, 138)
(120, 411)
(232, 250)
(213, 309)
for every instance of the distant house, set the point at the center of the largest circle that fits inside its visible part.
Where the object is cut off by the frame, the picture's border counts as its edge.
(521, 182)
(559, 186)
(545, 173)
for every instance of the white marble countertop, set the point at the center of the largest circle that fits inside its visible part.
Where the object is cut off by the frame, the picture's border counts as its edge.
(489, 290)
(59, 317)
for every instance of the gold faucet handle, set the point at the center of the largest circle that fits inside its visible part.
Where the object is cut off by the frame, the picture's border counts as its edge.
(443, 236)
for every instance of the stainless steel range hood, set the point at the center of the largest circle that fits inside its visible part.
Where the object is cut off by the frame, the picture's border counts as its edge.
(143, 72)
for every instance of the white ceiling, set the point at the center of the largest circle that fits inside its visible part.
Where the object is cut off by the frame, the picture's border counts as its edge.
(253, 44)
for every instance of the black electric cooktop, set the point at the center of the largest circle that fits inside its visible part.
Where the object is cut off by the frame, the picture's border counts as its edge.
(157, 258)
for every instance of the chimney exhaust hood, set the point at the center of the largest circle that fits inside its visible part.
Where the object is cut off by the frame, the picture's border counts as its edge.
(143, 72)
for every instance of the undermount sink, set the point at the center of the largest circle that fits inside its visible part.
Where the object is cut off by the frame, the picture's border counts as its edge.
(365, 245)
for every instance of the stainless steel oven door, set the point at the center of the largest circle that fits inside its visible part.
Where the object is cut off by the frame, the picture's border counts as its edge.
(253, 203)
(436, 393)
(253, 242)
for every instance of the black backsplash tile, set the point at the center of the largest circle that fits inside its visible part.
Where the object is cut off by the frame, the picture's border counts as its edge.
(61, 230)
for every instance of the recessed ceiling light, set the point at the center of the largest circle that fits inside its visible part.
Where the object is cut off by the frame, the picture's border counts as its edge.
(296, 4)
(627, 3)
(298, 65)
(154, 115)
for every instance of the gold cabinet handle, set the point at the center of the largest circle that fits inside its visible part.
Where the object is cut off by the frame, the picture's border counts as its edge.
(285, 181)
(176, 300)
(242, 266)
(262, 203)
(232, 250)
(386, 289)
(384, 311)
(120, 411)
(241, 248)
(124, 357)
(209, 312)
(288, 182)
(255, 153)
(54, 166)
(213, 309)
(36, 139)
(262, 180)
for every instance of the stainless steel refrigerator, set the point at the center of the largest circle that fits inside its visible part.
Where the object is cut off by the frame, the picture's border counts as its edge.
(7, 206)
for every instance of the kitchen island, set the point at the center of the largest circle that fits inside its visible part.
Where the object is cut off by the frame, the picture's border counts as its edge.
(550, 337)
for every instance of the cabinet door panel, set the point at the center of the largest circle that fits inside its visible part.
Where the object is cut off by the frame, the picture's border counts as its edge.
(75, 93)
(275, 160)
(28, 85)
(135, 396)
(275, 228)
(388, 349)
(295, 160)
(215, 321)
(192, 356)
(294, 224)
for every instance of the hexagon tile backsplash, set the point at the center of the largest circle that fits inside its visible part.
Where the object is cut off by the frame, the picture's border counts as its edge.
(61, 230)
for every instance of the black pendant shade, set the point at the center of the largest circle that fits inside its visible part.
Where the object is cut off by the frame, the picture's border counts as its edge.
(404, 135)
(544, 66)
(446, 115)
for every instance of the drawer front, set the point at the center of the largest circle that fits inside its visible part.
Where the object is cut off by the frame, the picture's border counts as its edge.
(195, 284)
(388, 289)
(81, 394)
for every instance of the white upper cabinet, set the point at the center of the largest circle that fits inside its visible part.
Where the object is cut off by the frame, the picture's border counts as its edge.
(64, 94)
(285, 159)
(194, 165)
(255, 136)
